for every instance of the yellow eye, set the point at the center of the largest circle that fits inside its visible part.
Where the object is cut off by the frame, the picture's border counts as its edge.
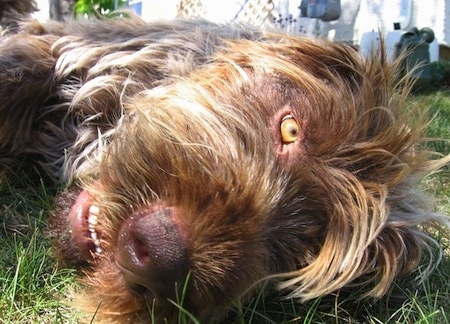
(289, 130)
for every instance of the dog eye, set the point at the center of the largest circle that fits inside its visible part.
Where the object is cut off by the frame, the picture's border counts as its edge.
(289, 129)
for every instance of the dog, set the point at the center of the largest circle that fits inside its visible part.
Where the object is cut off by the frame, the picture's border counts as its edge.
(199, 161)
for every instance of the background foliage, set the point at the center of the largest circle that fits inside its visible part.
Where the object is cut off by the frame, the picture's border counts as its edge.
(92, 7)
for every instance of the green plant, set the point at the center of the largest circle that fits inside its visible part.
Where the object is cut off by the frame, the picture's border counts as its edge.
(92, 7)
(440, 74)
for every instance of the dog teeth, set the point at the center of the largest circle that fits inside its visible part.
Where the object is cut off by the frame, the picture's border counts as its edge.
(94, 236)
(96, 242)
(92, 223)
(94, 210)
(98, 249)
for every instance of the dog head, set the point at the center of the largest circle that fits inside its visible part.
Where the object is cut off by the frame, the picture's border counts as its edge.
(287, 158)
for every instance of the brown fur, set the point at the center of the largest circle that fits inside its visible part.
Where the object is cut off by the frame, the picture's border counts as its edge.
(12, 12)
(182, 119)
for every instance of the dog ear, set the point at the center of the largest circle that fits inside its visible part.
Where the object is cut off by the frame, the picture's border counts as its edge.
(26, 74)
(374, 232)
(368, 164)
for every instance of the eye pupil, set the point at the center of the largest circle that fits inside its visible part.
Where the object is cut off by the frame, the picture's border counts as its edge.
(292, 130)
(289, 129)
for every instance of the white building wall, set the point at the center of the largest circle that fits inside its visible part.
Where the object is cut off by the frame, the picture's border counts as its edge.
(446, 32)
(357, 16)
(433, 14)
(361, 16)
(43, 13)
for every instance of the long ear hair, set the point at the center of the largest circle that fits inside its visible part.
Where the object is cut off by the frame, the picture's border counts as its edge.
(367, 154)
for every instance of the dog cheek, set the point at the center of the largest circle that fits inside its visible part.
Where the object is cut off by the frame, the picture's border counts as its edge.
(290, 154)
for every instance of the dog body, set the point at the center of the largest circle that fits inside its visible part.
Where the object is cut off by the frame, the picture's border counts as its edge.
(202, 159)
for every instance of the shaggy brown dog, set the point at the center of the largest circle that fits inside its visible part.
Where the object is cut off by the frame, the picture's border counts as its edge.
(212, 158)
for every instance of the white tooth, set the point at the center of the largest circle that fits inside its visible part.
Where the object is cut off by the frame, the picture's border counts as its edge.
(98, 250)
(92, 220)
(94, 210)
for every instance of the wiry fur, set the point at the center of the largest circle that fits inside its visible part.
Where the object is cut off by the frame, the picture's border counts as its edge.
(186, 114)
(12, 12)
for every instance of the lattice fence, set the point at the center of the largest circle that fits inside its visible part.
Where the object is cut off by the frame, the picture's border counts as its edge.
(255, 12)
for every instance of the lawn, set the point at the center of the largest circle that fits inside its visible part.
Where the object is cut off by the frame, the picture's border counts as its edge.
(33, 290)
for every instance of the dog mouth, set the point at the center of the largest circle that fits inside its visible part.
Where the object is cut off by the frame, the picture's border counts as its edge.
(83, 218)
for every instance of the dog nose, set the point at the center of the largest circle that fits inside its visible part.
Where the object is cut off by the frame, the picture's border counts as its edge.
(152, 255)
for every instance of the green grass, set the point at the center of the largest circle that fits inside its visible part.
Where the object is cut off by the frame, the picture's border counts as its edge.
(34, 290)
(439, 102)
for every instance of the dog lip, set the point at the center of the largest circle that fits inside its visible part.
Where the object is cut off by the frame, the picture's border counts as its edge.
(78, 218)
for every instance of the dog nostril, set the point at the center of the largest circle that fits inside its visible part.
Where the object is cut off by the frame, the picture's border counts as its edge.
(141, 251)
(152, 254)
